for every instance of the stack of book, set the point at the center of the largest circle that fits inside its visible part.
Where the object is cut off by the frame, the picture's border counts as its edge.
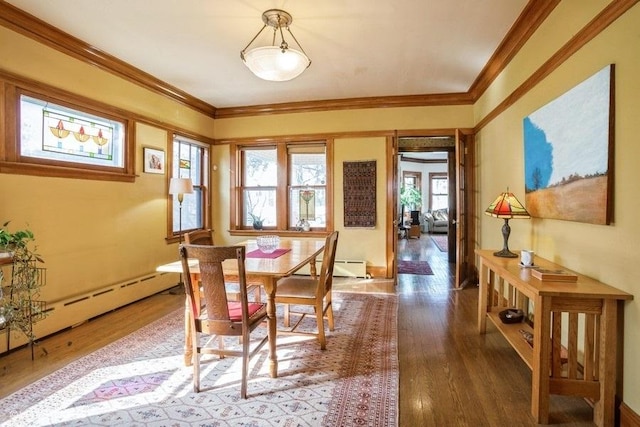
(551, 275)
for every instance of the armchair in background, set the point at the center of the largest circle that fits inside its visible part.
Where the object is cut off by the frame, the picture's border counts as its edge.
(437, 221)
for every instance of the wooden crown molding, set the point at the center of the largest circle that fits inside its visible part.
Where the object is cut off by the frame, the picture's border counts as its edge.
(28, 25)
(408, 159)
(605, 18)
(346, 104)
(533, 15)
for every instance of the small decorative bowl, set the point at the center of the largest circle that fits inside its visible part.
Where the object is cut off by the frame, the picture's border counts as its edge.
(268, 244)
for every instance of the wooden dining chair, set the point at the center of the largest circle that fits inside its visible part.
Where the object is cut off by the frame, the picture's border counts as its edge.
(205, 237)
(310, 291)
(212, 314)
(199, 237)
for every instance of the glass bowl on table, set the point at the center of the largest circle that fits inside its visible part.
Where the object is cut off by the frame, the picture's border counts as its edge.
(268, 244)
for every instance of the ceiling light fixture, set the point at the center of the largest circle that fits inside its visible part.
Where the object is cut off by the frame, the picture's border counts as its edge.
(276, 63)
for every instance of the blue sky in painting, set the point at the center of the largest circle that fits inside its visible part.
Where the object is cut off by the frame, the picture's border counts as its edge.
(538, 156)
(569, 135)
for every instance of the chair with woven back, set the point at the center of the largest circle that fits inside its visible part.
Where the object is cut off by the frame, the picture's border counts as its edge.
(212, 314)
(205, 237)
(310, 291)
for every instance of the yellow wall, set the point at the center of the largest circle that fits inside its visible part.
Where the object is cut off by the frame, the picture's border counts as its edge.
(93, 234)
(361, 243)
(607, 253)
(375, 119)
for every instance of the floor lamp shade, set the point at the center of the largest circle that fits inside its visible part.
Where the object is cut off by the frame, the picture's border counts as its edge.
(180, 186)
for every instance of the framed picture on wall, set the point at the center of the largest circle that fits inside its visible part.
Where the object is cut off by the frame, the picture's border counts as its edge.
(568, 146)
(153, 160)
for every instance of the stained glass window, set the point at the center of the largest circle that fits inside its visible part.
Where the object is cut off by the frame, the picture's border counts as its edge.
(55, 132)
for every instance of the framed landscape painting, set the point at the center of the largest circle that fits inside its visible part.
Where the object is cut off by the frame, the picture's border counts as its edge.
(568, 149)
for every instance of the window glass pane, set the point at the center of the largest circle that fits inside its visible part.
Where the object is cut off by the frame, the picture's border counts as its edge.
(410, 181)
(439, 193)
(259, 205)
(308, 169)
(54, 132)
(439, 202)
(260, 168)
(192, 214)
(440, 186)
(308, 203)
(190, 160)
(307, 193)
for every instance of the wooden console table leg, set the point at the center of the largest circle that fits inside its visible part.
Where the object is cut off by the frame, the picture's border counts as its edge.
(541, 360)
(482, 298)
(604, 409)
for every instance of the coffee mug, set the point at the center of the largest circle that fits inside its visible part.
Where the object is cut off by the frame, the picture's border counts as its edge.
(526, 258)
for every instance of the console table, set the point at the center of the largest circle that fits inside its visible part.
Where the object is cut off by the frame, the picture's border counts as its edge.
(585, 313)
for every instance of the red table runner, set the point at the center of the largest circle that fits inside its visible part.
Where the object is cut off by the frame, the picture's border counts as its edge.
(257, 253)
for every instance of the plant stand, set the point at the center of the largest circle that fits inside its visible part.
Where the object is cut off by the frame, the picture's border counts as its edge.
(20, 306)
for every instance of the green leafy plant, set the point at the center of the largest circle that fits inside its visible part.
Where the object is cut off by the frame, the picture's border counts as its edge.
(12, 241)
(257, 221)
(22, 309)
(18, 244)
(410, 197)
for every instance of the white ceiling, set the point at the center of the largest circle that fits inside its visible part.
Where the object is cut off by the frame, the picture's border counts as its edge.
(358, 48)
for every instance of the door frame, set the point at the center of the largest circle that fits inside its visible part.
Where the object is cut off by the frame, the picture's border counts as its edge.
(392, 185)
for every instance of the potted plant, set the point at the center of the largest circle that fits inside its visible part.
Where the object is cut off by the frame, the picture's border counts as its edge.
(10, 243)
(256, 220)
(410, 197)
(21, 310)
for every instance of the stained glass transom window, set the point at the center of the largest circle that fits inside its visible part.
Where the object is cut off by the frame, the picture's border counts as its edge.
(54, 132)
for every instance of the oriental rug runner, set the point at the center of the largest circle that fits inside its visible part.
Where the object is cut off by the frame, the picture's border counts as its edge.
(441, 241)
(414, 267)
(141, 380)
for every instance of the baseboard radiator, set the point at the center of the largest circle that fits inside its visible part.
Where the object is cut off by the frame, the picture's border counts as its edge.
(341, 268)
(75, 310)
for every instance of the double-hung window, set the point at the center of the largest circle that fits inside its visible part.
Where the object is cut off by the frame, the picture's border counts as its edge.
(281, 186)
(308, 185)
(190, 159)
(439, 189)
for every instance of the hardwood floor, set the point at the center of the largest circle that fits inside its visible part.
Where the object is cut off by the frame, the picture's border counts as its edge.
(449, 374)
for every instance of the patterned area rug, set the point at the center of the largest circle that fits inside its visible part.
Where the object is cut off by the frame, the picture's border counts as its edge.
(414, 267)
(441, 241)
(140, 380)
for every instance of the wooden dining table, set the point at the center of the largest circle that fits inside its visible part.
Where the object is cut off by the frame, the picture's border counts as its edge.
(267, 272)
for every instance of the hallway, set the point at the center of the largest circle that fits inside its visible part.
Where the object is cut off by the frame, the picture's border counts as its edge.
(449, 374)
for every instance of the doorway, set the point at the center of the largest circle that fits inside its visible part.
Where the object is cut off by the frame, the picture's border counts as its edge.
(457, 146)
(424, 225)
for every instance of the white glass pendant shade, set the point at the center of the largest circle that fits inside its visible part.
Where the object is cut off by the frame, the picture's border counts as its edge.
(271, 63)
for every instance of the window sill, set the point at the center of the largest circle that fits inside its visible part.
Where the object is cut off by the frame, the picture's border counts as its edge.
(63, 172)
